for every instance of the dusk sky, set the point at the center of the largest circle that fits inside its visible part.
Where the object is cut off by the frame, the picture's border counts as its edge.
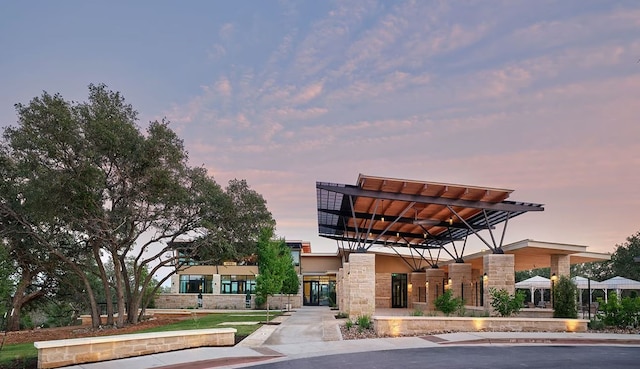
(542, 97)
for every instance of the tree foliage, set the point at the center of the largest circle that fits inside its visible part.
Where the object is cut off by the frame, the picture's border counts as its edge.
(622, 260)
(505, 304)
(82, 184)
(277, 273)
(565, 293)
(620, 312)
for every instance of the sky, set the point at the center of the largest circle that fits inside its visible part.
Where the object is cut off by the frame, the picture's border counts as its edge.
(542, 97)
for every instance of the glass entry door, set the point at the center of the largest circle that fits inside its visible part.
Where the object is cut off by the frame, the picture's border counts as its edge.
(312, 293)
(398, 290)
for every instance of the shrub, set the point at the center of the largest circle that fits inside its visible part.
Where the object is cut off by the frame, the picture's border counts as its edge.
(564, 299)
(505, 304)
(620, 313)
(447, 304)
(364, 322)
(348, 324)
(596, 324)
(417, 312)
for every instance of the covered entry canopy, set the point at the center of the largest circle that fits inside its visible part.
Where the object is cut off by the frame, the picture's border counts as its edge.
(413, 214)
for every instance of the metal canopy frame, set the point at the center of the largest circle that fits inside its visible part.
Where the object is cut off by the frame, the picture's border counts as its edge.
(414, 215)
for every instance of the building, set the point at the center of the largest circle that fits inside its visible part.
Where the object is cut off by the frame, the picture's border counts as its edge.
(400, 244)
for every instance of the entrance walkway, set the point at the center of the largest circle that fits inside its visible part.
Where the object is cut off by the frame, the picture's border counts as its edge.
(307, 324)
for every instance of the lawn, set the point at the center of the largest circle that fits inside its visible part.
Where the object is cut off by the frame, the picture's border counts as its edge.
(24, 355)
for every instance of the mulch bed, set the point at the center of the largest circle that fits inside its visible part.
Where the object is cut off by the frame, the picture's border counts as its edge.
(61, 333)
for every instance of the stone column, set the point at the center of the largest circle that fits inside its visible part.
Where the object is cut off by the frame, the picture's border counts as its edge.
(434, 278)
(339, 294)
(362, 285)
(217, 287)
(560, 266)
(345, 288)
(416, 283)
(460, 275)
(175, 283)
(500, 270)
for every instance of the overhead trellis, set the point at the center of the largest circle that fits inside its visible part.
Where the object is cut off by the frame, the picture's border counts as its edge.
(415, 215)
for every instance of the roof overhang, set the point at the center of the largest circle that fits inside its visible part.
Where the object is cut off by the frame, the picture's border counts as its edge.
(408, 213)
(530, 254)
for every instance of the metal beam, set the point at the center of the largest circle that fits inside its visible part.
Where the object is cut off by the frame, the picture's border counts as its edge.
(378, 217)
(501, 206)
(377, 232)
(383, 242)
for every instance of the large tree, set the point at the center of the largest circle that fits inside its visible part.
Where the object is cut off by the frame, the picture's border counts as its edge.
(88, 185)
(622, 260)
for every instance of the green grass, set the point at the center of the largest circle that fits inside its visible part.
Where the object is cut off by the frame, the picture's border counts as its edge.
(212, 321)
(24, 355)
(17, 356)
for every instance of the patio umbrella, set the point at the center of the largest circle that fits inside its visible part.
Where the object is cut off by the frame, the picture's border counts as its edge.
(583, 284)
(535, 283)
(621, 283)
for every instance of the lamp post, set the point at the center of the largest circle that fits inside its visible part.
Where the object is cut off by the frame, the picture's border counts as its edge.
(553, 292)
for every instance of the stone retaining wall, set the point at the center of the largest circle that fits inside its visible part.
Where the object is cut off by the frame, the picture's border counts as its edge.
(54, 354)
(419, 325)
(221, 301)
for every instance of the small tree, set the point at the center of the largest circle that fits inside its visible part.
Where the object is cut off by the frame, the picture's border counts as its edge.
(271, 268)
(564, 299)
(505, 304)
(291, 282)
(447, 304)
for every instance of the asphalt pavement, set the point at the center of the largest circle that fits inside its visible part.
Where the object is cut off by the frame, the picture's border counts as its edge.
(312, 332)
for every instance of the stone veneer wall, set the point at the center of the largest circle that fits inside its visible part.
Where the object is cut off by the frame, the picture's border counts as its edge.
(54, 354)
(222, 301)
(500, 270)
(417, 284)
(362, 285)
(383, 290)
(394, 326)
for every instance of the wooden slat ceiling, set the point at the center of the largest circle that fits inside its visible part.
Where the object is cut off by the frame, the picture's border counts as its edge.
(377, 211)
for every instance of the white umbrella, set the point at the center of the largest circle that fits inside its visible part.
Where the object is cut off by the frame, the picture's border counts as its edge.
(535, 283)
(621, 283)
(583, 283)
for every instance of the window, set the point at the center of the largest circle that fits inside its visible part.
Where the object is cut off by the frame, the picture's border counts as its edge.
(295, 255)
(237, 284)
(196, 283)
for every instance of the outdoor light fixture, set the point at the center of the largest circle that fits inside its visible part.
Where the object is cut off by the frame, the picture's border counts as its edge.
(554, 277)
(450, 220)
(382, 219)
(485, 277)
(449, 280)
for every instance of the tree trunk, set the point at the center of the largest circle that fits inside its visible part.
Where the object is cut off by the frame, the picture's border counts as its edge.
(19, 299)
(95, 313)
(117, 268)
(105, 284)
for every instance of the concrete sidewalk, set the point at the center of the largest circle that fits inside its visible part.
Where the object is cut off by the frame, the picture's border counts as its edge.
(313, 331)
